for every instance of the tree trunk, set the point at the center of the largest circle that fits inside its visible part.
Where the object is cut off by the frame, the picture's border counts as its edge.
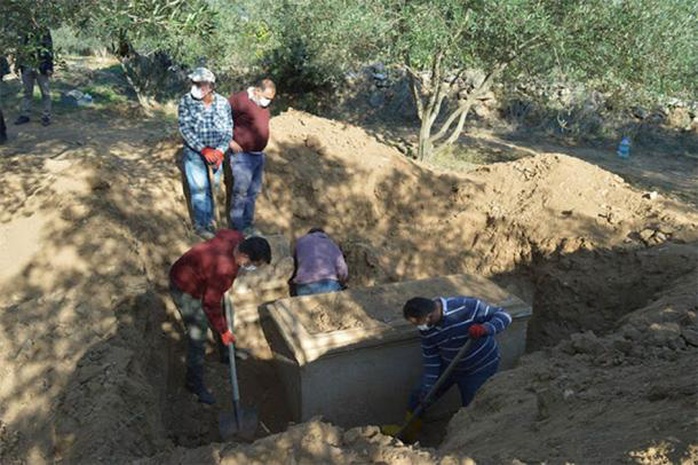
(140, 94)
(425, 148)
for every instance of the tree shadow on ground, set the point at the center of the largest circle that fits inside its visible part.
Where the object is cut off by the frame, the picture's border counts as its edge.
(105, 234)
(86, 323)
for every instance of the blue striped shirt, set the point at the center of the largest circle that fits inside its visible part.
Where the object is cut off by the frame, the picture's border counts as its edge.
(205, 126)
(441, 342)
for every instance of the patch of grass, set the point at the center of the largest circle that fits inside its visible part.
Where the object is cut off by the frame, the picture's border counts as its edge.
(105, 94)
(458, 158)
(467, 156)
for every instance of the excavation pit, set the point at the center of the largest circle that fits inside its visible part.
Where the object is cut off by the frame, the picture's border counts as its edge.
(353, 359)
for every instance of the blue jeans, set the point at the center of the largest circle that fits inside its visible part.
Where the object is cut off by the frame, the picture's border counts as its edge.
(247, 169)
(200, 192)
(467, 385)
(318, 287)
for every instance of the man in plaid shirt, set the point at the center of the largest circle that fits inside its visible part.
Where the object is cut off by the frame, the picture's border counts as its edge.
(206, 125)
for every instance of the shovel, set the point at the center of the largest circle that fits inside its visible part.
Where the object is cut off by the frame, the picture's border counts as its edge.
(241, 422)
(434, 389)
(214, 204)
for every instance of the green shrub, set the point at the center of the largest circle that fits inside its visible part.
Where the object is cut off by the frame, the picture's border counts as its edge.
(68, 41)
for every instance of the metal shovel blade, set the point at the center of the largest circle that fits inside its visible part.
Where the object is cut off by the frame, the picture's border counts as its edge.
(241, 423)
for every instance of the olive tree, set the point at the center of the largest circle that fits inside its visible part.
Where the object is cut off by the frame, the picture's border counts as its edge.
(619, 42)
(119, 22)
(310, 44)
(133, 28)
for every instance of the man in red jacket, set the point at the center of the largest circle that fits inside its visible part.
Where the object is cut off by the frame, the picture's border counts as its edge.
(198, 280)
(250, 136)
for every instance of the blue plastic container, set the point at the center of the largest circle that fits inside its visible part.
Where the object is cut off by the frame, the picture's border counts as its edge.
(624, 148)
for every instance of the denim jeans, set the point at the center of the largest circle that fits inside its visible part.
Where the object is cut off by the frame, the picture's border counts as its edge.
(196, 324)
(248, 169)
(318, 287)
(200, 192)
(468, 384)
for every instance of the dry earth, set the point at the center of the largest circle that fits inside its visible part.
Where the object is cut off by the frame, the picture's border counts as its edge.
(93, 214)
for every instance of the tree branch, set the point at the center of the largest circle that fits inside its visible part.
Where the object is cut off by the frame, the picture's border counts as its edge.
(459, 127)
(447, 124)
(415, 82)
(435, 84)
(464, 107)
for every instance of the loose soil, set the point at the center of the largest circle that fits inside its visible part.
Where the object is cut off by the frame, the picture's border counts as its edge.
(93, 213)
(376, 306)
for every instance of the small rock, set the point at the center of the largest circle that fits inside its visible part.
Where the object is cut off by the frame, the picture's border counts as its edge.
(632, 333)
(639, 112)
(646, 234)
(661, 334)
(650, 195)
(624, 346)
(691, 336)
(548, 401)
(353, 435)
(100, 185)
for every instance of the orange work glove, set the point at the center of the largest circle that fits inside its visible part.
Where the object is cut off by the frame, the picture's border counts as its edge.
(228, 337)
(213, 156)
(476, 331)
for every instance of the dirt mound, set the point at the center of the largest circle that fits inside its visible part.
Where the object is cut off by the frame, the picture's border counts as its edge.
(312, 443)
(556, 230)
(622, 398)
(93, 214)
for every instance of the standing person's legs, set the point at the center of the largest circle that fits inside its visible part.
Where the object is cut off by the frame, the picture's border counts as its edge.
(3, 128)
(196, 173)
(196, 325)
(28, 76)
(242, 166)
(468, 385)
(43, 81)
(257, 168)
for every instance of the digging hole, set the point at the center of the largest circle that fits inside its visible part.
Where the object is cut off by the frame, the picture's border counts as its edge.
(192, 424)
(581, 291)
(593, 290)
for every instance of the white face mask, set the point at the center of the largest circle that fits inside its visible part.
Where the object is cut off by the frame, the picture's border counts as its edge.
(423, 327)
(249, 267)
(264, 102)
(196, 92)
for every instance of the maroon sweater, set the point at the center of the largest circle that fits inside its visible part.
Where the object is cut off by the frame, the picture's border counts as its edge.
(250, 123)
(206, 271)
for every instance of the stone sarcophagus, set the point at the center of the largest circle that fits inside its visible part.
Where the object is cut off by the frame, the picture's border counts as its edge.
(352, 358)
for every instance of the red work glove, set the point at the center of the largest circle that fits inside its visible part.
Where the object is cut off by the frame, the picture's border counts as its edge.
(228, 337)
(477, 331)
(213, 156)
